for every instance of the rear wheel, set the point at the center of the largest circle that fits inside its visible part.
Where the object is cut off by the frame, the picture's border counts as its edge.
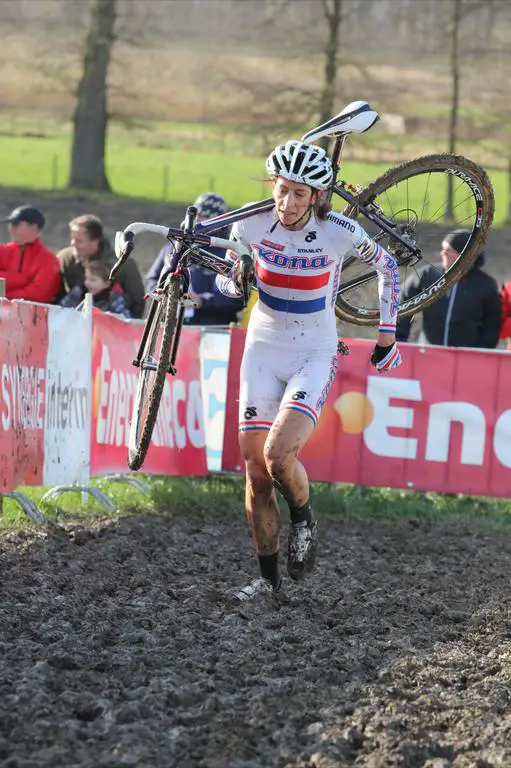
(424, 200)
(153, 370)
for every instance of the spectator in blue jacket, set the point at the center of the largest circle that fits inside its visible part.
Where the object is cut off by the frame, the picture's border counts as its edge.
(213, 308)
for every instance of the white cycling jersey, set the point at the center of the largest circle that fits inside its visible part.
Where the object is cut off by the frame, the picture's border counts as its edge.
(298, 273)
(290, 356)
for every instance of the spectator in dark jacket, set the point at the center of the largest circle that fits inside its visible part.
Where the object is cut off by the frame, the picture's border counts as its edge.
(88, 243)
(469, 314)
(212, 307)
(106, 296)
(31, 271)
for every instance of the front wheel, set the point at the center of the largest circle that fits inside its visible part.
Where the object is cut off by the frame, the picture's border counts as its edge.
(424, 200)
(154, 366)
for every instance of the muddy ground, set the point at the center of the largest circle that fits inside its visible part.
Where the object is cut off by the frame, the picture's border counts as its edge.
(119, 646)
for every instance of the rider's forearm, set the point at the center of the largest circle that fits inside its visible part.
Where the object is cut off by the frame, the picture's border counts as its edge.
(388, 291)
(388, 281)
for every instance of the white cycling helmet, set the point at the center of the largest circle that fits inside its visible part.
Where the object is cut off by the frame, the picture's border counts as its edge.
(301, 162)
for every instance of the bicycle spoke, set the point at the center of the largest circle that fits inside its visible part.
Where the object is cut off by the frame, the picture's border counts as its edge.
(426, 198)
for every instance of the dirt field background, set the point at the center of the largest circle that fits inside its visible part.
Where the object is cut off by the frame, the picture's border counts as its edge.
(119, 646)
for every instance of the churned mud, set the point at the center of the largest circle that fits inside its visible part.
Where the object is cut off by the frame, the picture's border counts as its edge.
(119, 647)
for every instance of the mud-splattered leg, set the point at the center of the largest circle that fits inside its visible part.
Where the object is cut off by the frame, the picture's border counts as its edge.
(261, 503)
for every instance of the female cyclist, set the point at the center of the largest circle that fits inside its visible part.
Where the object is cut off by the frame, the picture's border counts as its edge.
(290, 357)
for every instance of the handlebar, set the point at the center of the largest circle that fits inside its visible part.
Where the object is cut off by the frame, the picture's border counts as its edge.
(125, 241)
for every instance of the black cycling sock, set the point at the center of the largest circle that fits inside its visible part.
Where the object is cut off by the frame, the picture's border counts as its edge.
(301, 514)
(269, 567)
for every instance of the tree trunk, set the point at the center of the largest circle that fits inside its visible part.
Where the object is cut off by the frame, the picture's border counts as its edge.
(91, 117)
(332, 10)
(455, 96)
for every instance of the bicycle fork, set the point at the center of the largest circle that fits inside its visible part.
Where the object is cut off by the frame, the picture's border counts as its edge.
(150, 363)
(171, 368)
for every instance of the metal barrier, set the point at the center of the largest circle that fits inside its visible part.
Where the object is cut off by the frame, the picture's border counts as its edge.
(103, 499)
(31, 509)
(27, 505)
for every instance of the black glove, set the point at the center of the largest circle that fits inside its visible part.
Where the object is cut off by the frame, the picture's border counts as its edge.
(386, 358)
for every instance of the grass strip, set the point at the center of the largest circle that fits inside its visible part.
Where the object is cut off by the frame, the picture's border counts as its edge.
(221, 495)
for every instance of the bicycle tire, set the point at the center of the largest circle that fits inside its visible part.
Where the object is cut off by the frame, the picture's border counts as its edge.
(469, 172)
(148, 395)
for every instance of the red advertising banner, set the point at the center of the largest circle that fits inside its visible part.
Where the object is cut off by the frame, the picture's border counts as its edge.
(440, 422)
(23, 349)
(178, 442)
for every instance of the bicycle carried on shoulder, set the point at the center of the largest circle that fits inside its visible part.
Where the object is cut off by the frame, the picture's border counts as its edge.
(408, 210)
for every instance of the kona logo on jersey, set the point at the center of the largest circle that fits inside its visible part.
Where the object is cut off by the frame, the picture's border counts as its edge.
(292, 262)
(299, 395)
(273, 245)
(310, 237)
(345, 223)
(250, 413)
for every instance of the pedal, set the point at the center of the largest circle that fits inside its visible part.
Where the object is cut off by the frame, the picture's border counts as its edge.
(171, 370)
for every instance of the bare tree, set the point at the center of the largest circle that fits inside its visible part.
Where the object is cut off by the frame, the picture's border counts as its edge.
(332, 10)
(90, 118)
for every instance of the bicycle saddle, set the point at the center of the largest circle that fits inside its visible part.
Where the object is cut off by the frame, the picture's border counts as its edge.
(356, 117)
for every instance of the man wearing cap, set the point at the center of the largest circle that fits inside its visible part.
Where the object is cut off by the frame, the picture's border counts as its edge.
(468, 315)
(212, 307)
(31, 271)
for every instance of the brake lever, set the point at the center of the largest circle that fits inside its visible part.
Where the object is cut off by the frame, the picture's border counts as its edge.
(124, 247)
(247, 275)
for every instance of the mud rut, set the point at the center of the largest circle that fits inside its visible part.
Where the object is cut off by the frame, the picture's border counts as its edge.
(118, 648)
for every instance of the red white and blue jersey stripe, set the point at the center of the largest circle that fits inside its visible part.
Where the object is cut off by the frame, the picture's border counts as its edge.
(298, 276)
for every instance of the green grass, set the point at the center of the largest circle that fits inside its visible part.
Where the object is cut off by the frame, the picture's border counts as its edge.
(223, 495)
(175, 162)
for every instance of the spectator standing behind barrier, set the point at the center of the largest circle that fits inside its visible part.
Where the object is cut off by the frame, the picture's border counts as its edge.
(469, 315)
(213, 308)
(88, 243)
(30, 270)
(107, 296)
